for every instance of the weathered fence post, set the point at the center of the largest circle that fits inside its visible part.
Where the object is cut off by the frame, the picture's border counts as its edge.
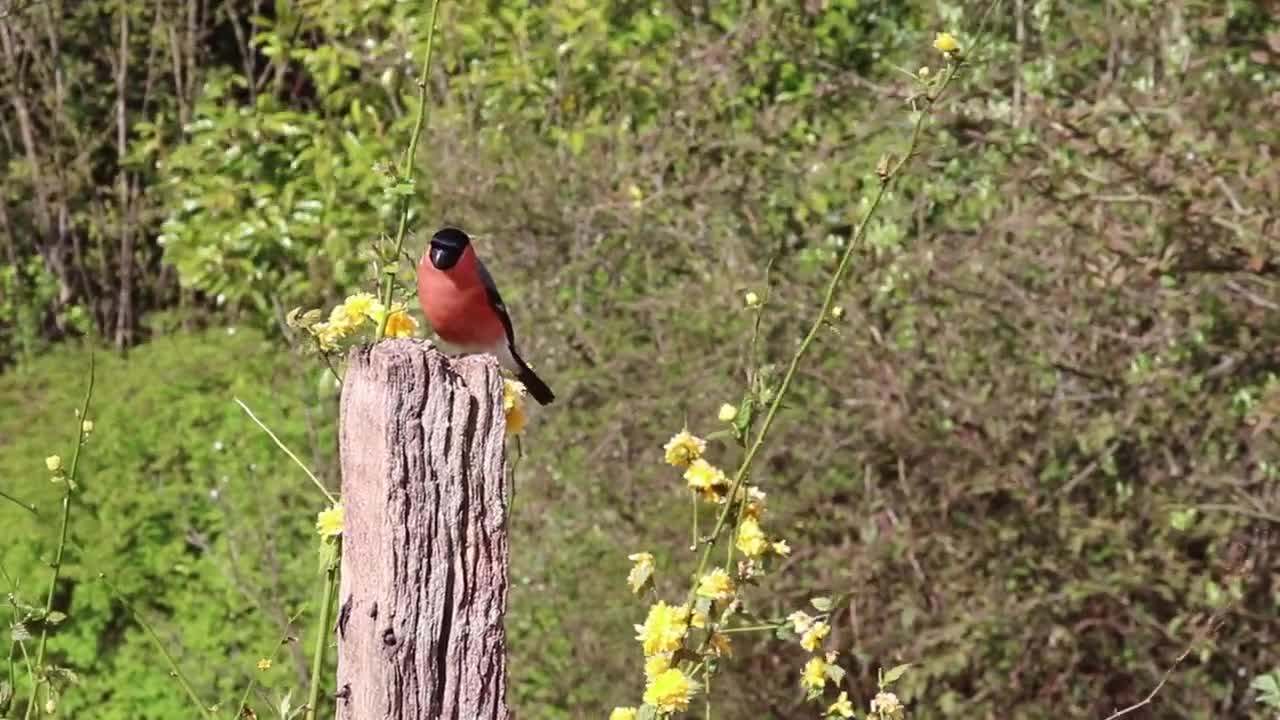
(424, 555)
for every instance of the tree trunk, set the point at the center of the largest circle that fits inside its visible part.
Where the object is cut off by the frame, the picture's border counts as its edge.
(424, 559)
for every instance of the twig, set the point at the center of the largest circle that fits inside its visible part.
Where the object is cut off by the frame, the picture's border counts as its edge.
(406, 172)
(29, 508)
(823, 313)
(155, 638)
(1151, 696)
(287, 451)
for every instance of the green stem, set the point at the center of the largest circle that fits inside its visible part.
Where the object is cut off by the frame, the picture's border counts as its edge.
(31, 670)
(406, 172)
(155, 639)
(816, 327)
(322, 639)
(69, 483)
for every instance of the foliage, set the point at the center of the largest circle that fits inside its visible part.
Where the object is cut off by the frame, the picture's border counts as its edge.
(184, 506)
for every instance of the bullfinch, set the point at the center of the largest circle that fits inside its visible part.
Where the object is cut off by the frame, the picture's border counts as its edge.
(461, 301)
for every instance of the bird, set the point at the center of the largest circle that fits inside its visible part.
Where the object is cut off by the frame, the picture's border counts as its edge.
(460, 300)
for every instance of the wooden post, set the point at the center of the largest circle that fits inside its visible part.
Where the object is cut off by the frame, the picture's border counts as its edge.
(424, 554)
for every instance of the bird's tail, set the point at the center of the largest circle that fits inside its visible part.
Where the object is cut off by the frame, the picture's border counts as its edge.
(532, 382)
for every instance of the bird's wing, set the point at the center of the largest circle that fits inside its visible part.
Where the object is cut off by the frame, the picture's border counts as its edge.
(491, 290)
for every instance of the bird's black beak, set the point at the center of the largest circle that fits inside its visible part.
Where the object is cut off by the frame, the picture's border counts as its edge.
(443, 258)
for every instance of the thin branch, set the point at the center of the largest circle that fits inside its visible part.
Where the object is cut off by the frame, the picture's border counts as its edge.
(29, 508)
(155, 638)
(287, 451)
(406, 171)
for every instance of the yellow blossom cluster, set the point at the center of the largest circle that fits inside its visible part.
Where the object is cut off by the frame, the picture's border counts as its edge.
(946, 43)
(841, 707)
(707, 480)
(716, 585)
(668, 689)
(352, 315)
(664, 629)
(513, 392)
(814, 675)
(329, 521)
(812, 631)
(683, 448)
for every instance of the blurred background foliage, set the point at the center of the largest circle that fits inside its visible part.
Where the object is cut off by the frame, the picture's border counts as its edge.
(1040, 450)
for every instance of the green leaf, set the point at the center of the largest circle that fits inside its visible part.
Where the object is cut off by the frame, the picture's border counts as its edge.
(742, 421)
(835, 674)
(55, 617)
(822, 604)
(1268, 687)
(647, 712)
(20, 632)
(894, 673)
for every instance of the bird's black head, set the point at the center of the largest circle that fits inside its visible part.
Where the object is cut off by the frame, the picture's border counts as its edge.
(447, 247)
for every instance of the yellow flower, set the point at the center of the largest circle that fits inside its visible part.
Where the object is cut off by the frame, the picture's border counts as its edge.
(946, 43)
(716, 585)
(720, 645)
(755, 503)
(623, 713)
(814, 636)
(641, 571)
(670, 691)
(329, 522)
(86, 427)
(699, 620)
(363, 305)
(342, 320)
(656, 665)
(924, 72)
(885, 703)
(728, 412)
(54, 463)
(752, 300)
(707, 480)
(329, 334)
(513, 392)
(841, 707)
(663, 630)
(683, 448)
(781, 548)
(264, 664)
(814, 677)
(751, 539)
(801, 621)
(837, 312)
(400, 323)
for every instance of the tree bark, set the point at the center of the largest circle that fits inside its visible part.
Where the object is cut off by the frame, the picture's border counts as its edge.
(425, 558)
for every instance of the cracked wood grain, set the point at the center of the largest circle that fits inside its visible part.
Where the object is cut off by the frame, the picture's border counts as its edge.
(425, 557)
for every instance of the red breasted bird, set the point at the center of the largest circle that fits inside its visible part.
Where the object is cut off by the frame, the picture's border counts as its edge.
(461, 301)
